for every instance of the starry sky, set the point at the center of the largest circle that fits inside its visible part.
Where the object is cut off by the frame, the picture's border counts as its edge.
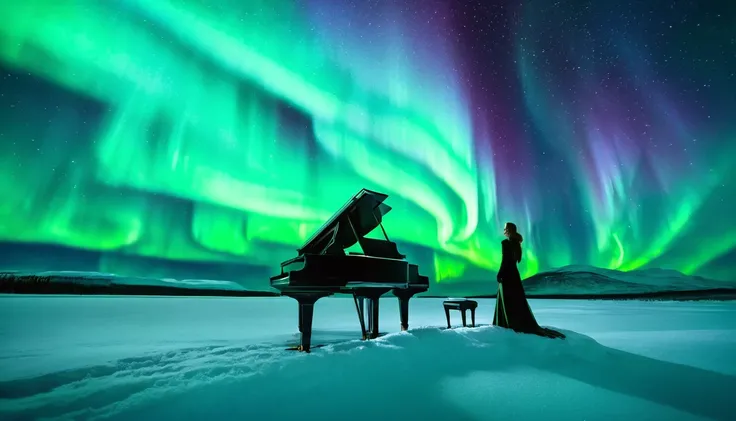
(209, 139)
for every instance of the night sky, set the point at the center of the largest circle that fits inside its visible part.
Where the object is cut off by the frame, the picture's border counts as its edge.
(211, 138)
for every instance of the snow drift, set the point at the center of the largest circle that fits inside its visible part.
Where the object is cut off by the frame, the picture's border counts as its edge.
(429, 373)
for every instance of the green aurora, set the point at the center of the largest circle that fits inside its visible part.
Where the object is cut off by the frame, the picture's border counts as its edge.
(184, 132)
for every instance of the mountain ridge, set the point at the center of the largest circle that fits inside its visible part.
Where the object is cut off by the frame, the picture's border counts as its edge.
(592, 280)
(569, 282)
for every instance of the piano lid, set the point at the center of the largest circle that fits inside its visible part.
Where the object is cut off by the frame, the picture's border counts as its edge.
(365, 210)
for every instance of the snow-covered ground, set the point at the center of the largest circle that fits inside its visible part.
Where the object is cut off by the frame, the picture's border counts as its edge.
(139, 358)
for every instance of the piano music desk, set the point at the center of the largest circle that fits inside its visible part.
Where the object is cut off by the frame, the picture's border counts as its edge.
(462, 306)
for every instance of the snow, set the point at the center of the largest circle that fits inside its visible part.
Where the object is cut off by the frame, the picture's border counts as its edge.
(189, 358)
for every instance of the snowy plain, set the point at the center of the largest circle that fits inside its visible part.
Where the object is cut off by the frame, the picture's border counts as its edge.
(190, 358)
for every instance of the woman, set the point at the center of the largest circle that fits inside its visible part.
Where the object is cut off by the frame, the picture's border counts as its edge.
(512, 310)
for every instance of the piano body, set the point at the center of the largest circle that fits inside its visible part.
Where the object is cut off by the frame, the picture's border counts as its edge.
(323, 268)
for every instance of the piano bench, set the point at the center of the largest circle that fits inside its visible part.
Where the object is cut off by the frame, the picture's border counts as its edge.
(462, 306)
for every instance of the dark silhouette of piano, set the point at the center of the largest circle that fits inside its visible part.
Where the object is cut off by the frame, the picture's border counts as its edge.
(323, 268)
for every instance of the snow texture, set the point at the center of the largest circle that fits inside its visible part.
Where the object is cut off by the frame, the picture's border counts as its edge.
(186, 358)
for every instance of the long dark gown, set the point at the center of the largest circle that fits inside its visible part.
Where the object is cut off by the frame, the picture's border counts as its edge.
(512, 309)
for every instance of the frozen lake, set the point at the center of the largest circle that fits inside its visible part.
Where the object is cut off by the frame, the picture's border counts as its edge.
(106, 357)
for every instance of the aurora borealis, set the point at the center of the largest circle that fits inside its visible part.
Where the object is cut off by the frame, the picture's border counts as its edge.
(160, 137)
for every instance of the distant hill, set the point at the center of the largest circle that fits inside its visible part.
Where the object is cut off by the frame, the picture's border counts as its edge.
(592, 280)
(570, 282)
(95, 283)
(586, 282)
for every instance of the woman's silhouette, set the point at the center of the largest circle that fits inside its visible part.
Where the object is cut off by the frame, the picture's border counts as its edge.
(512, 309)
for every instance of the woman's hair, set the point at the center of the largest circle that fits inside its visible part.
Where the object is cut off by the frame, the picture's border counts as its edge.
(513, 233)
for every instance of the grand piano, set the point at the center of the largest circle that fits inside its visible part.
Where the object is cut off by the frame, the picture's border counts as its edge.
(323, 267)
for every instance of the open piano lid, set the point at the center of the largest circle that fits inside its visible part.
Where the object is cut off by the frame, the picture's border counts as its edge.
(366, 210)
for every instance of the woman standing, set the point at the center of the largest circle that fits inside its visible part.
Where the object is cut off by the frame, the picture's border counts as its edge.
(512, 309)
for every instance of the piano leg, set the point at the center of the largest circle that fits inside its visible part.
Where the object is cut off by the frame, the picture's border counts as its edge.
(301, 318)
(404, 295)
(359, 307)
(306, 313)
(373, 317)
(404, 313)
(371, 297)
